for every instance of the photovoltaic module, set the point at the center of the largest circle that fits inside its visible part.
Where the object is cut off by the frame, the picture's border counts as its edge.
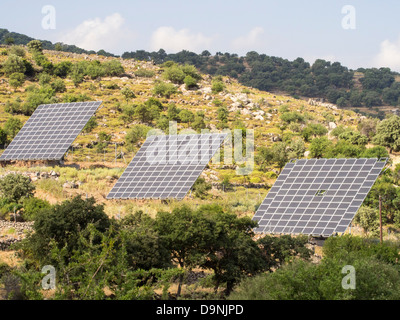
(317, 196)
(50, 131)
(166, 166)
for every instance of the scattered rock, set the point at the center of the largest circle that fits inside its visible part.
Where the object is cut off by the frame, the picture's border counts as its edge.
(332, 125)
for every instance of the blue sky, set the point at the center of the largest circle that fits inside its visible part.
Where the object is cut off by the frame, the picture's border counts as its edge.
(287, 28)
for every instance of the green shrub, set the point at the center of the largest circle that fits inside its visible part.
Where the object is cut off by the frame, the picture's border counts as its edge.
(90, 125)
(201, 188)
(350, 248)
(307, 281)
(18, 51)
(15, 187)
(190, 82)
(128, 113)
(44, 78)
(113, 68)
(13, 107)
(217, 86)
(3, 137)
(58, 85)
(32, 207)
(35, 46)
(134, 135)
(164, 89)
(36, 97)
(144, 73)
(70, 97)
(7, 208)
(128, 93)
(14, 64)
(186, 116)
(62, 69)
(95, 70)
(12, 127)
(174, 74)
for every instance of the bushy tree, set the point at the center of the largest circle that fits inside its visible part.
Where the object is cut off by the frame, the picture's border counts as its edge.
(3, 137)
(296, 149)
(95, 70)
(16, 80)
(388, 133)
(173, 112)
(217, 86)
(292, 116)
(17, 50)
(58, 85)
(264, 157)
(174, 74)
(143, 113)
(190, 82)
(280, 152)
(313, 130)
(32, 207)
(318, 146)
(222, 114)
(201, 187)
(186, 116)
(37, 96)
(35, 46)
(144, 246)
(307, 281)
(14, 64)
(164, 89)
(198, 123)
(113, 68)
(62, 69)
(354, 137)
(12, 127)
(134, 135)
(15, 187)
(63, 225)
(367, 218)
(128, 93)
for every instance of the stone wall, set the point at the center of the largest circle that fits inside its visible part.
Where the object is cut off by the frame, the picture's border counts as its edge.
(11, 232)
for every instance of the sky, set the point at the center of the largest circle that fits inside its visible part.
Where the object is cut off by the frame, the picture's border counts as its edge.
(357, 33)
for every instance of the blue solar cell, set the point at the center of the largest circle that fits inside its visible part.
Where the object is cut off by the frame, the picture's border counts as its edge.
(303, 208)
(169, 165)
(50, 131)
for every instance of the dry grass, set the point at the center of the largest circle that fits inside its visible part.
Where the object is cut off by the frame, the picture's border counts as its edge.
(10, 258)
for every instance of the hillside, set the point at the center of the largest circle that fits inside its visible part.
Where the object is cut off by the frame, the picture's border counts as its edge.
(370, 91)
(247, 108)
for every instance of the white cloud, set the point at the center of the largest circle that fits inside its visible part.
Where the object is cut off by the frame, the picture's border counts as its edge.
(172, 40)
(250, 40)
(96, 34)
(389, 55)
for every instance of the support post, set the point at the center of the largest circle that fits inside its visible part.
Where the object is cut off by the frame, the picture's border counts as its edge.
(380, 219)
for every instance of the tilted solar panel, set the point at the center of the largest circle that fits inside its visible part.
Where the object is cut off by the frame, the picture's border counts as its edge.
(317, 196)
(49, 131)
(166, 166)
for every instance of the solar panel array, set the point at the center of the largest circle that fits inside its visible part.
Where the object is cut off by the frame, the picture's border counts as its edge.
(50, 131)
(317, 196)
(166, 166)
